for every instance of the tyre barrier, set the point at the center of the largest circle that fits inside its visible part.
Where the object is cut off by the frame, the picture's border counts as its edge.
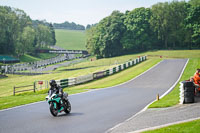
(187, 91)
(97, 75)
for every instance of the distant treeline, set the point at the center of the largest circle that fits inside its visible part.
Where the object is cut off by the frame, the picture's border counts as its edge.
(20, 35)
(69, 26)
(169, 25)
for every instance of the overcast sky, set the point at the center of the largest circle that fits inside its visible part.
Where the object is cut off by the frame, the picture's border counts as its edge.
(79, 11)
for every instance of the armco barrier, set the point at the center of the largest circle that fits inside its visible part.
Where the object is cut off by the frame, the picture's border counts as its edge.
(120, 68)
(107, 72)
(71, 81)
(127, 64)
(98, 75)
(117, 69)
(114, 69)
(110, 71)
(135, 62)
(64, 83)
(83, 79)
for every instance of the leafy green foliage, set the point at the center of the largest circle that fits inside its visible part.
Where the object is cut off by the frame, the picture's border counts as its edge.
(193, 24)
(138, 33)
(69, 26)
(169, 25)
(105, 38)
(19, 36)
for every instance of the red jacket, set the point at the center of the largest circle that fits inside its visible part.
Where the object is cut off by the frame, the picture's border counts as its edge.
(197, 78)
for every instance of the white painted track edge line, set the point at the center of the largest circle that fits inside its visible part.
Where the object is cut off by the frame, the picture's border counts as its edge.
(145, 108)
(176, 81)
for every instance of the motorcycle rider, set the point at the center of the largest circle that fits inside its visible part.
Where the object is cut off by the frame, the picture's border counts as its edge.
(57, 89)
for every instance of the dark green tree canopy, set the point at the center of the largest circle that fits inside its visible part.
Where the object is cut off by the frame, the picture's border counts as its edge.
(20, 35)
(168, 25)
(69, 26)
(106, 36)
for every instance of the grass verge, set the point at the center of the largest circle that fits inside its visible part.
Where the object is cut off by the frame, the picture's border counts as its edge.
(41, 56)
(70, 39)
(21, 99)
(188, 127)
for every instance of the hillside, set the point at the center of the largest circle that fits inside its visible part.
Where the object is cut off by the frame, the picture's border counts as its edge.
(70, 39)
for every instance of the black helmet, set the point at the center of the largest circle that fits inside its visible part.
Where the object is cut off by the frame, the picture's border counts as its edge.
(53, 83)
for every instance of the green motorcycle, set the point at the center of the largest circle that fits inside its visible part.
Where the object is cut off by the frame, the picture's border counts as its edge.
(57, 105)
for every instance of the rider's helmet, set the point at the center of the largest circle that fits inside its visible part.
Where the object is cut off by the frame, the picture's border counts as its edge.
(53, 83)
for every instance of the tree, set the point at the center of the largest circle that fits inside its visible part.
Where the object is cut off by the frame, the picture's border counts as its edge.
(176, 23)
(160, 22)
(193, 24)
(69, 26)
(194, 2)
(52, 34)
(25, 41)
(44, 36)
(9, 30)
(103, 39)
(138, 35)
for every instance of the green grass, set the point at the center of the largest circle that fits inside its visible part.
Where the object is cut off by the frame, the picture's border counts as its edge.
(188, 127)
(175, 53)
(41, 56)
(28, 58)
(70, 39)
(173, 97)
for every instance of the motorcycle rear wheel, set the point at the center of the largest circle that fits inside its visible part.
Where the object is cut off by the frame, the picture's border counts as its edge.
(53, 111)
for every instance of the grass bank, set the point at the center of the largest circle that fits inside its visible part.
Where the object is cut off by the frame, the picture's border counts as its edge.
(41, 56)
(188, 127)
(70, 39)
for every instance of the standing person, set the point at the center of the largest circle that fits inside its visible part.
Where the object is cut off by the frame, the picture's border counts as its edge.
(196, 79)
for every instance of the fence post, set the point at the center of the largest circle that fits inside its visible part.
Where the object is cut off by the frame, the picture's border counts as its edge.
(14, 91)
(34, 87)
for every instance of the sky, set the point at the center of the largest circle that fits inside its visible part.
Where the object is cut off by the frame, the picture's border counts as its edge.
(79, 11)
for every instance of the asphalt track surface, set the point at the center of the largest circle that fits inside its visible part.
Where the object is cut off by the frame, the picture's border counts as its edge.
(95, 111)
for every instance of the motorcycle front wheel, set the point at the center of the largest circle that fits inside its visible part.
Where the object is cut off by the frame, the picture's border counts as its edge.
(68, 107)
(53, 111)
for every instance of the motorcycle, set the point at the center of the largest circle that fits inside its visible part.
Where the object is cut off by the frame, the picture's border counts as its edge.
(56, 104)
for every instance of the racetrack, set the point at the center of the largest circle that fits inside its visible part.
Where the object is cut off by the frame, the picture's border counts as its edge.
(95, 111)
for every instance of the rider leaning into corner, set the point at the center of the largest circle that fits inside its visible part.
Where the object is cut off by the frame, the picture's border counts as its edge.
(56, 88)
(196, 80)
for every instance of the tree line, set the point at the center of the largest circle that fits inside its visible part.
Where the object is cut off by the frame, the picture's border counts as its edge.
(169, 25)
(69, 26)
(20, 35)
